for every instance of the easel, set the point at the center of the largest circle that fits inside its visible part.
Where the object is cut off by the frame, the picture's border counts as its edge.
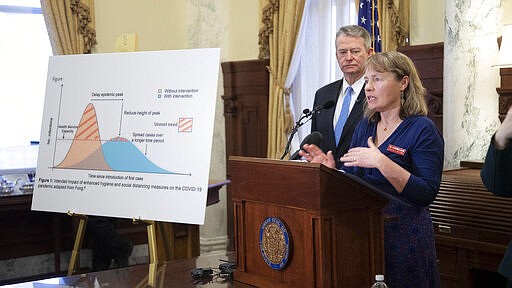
(155, 240)
(152, 247)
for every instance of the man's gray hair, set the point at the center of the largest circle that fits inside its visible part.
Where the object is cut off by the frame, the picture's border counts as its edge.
(356, 31)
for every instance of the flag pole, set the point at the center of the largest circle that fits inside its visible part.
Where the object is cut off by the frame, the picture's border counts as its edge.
(373, 24)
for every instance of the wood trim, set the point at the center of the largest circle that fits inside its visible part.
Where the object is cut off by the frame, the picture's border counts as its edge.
(505, 92)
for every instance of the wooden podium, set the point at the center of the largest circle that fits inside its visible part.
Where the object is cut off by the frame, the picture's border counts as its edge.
(333, 220)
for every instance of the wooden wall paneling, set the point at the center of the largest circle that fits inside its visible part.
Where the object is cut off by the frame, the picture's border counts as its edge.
(429, 59)
(246, 107)
(472, 227)
(505, 92)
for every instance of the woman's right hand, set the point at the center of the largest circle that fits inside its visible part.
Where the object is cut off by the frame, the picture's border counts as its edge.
(314, 154)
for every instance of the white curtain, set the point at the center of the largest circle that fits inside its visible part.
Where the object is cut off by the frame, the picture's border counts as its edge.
(314, 59)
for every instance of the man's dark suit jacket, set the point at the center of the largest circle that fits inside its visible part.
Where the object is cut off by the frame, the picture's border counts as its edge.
(497, 177)
(322, 121)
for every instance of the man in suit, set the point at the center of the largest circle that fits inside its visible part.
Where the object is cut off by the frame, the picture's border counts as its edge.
(497, 177)
(353, 47)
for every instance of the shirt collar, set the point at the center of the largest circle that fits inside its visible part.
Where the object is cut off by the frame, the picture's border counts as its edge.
(357, 86)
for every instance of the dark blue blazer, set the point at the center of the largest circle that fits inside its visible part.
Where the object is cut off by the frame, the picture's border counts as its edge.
(497, 177)
(322, 121)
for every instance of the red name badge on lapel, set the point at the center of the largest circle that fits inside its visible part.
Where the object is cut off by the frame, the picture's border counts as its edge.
(396, 150)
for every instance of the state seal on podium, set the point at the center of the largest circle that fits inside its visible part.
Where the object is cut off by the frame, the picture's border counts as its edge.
(275, 243)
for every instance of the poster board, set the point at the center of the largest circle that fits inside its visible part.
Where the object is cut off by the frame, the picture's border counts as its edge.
(128, 135)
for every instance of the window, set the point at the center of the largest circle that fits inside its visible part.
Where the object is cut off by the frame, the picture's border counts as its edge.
(24, 52)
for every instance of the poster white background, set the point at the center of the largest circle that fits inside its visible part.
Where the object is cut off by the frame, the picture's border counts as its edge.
(151, 115)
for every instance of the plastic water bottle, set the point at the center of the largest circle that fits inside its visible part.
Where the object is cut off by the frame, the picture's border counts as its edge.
(379, 282)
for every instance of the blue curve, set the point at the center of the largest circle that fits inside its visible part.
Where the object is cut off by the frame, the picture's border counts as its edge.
(124, 156)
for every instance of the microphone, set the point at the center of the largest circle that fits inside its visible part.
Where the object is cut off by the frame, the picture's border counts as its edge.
(313, 138)
(327, 105)
(307, 114)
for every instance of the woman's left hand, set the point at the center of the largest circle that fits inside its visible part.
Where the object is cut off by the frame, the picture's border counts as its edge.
(368, 157)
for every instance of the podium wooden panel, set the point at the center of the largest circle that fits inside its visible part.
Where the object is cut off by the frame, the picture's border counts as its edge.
(334, 220)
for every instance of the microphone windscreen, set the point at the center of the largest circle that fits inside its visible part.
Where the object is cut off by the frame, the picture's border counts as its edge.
(313, 138)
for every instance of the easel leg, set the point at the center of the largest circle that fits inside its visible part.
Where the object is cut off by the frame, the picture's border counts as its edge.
(74, 262)
(145, 282)
(153, 253)
(153, 256)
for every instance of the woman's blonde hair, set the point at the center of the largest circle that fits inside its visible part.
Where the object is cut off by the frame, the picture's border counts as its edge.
(413, 97)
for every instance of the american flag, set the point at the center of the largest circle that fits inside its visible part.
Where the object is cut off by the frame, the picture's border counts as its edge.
(367, 8)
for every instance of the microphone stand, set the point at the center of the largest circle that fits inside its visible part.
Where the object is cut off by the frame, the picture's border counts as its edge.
(306, 114)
